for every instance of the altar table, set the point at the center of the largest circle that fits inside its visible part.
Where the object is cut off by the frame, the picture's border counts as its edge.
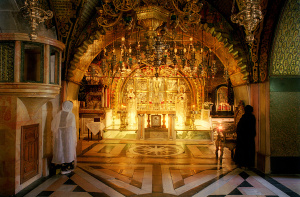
(95, 128)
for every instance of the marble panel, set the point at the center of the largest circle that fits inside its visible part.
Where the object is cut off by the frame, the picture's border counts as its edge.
(128, 172)
(107, 190)
(290, 181)
(7, 22)
(9, 186)
(17, 172)
(68, 193)
(265, 191)
(9, 169)
(116, 175)
(255, 183)
(138, 175)
(57, 183)
(22, 113)
(66, 188)
(17, 61)
(93, 159)
(18, 137)
(2, 136)
(2, 168)
(47, 115)
(48, 183)
(284, 123)
(87, 186)
(8, 113)
(176, 176)
(268, 185)
(147, 180)
(222, 186)
(249, 191)
(8, 5)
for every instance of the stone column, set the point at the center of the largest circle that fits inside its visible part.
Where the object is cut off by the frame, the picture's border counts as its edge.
(59, 64)
(17, 62)
(108, 117)
(164, 121)
(46, 63)
(103, 97)
(141, 133)
(171, 127)
(148, 125)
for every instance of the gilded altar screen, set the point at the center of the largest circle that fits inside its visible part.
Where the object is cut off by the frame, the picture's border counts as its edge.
(156, 93)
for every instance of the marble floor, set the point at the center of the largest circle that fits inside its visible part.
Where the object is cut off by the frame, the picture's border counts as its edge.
(160, 168)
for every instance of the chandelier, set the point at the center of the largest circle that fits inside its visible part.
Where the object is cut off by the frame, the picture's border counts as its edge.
(35, 15)
(153, 16)
(127, 12)
(159, 48)
(92, 76)
(166, 55)
(208, 69)
(249, 17)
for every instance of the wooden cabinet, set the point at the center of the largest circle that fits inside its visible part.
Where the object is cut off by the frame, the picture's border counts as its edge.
(29, 152)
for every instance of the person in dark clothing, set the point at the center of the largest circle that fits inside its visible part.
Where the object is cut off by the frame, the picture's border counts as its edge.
(245, 143)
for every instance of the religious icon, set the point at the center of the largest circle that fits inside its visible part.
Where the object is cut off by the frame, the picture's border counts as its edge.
(131, 110)
(222, 103)
(181, 106)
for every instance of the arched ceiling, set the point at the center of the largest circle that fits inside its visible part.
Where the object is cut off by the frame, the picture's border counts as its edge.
(76, 24)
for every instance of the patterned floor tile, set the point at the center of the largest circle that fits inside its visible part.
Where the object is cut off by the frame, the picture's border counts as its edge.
(159, 168)
(70, 194)
(45, 193)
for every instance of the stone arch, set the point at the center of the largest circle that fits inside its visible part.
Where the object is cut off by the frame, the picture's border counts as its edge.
(229, 54)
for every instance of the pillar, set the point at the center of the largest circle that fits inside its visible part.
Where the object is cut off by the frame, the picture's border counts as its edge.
(17, 62)
(141, 133)
(171, 127)
(46, 63)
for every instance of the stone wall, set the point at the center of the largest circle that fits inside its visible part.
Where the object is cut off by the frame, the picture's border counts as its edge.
(8, 118)
(241, 93)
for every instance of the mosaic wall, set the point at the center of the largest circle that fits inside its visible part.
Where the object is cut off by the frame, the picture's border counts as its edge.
(7, 62)
(284, 123)
(284, 91)
(285, 59)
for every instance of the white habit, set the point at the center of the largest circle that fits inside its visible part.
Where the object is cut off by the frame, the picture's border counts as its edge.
(63, 128)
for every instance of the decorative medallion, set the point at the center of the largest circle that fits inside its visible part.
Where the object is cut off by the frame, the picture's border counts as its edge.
(156, 150)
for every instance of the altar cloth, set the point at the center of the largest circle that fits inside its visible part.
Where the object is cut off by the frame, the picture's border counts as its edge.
(95, 127)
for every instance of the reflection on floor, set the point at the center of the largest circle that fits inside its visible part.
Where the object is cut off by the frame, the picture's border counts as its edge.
(197, 133)
(160, 168)
(114, 132)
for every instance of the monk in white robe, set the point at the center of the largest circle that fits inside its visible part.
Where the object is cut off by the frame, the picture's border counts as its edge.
(63, 128)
